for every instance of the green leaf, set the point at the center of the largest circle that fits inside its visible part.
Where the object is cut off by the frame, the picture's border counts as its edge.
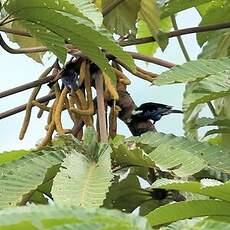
(89, 10)
(215, 131)
(90, 142)
(173, 6)
(143, 31)
(212, 87)
(150, 205)
(58, 217)
(123, 18)
(214, 156)
(125, 156)
(190, 117)
(197, 223)
(204, 121)
(193, 71)
(188, 209)
(180, 162)
(206, 187)
(82, 181)
(20, 178)
(126, 195)
(45, 187)
(75, 28)
(7, 156)
(25, 42)
(218, 45)
(215, 14)
(45, 36)
(151, 15)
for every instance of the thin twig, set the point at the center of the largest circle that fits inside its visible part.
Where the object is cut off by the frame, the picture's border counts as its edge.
(176, 33)
(212, 109)
(9, 21)
(153, 60)
(4, 20)
(180, 41)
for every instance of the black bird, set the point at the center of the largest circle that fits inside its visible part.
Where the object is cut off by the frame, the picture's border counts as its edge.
(152, 111)
(70, 76)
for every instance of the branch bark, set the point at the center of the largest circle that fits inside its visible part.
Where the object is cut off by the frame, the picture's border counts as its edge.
(175, 33)
(23, 107)
(27, 86)
(21, 50)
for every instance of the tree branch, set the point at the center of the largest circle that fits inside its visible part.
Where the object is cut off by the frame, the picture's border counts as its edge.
(21, 50)
(153, 60)
(27, 86)
(15, 32)
(176, 33)
(23, 107)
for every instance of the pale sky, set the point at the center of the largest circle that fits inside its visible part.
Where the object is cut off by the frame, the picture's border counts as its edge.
(19, 69)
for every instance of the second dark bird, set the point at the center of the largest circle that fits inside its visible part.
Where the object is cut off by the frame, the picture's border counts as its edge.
(152, 111)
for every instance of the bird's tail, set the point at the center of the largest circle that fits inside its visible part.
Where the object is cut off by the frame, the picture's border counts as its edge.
(175, 111)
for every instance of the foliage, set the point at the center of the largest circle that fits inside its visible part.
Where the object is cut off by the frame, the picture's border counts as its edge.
(74, 181)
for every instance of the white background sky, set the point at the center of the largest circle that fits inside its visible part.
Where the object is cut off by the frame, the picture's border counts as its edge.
(19, 69)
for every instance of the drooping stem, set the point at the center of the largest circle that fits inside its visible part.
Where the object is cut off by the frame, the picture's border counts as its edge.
(212, 109)
(180, 41)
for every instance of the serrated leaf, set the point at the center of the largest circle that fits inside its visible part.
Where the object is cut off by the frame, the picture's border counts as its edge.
(218, 46)
(204, 121)
(190, 117)
(208, 89)
(122, 155)
(197, 223)
(88, 9)
(214, 15)
(59, 217)
(170, 7)
(123, 18)
(126, 195)
(75, 28)
(20, 178)
(8, 156)
(180, 162)
(207, 187)
(151, 15)
(85, 185)
(25, 42)
(188, 209)
(193, 71)
(55, 43)
(143, 31)
(216, 157)
(90, 142)
(216, 131)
